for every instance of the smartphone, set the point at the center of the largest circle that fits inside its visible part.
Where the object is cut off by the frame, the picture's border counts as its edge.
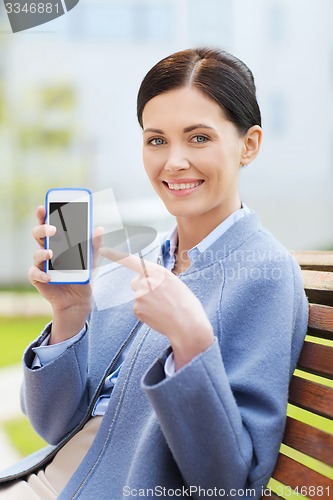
(70, 211)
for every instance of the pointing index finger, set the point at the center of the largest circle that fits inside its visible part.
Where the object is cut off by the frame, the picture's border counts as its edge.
(137, 264)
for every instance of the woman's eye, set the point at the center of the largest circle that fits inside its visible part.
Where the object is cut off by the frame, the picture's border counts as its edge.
(200, 139)
(157, 141)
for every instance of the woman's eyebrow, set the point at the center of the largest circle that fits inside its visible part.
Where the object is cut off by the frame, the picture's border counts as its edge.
(154, 130)
(186, 129)
(197, 125)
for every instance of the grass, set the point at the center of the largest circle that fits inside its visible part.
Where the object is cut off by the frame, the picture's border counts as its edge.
(23, 436)
(19, 288)
(15, 334)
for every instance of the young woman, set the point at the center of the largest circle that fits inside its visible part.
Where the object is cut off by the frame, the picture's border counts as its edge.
(180, 389)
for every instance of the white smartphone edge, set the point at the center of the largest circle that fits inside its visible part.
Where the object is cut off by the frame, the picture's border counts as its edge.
(72, 195)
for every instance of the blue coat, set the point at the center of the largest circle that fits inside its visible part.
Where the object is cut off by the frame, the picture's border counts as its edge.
(217, 423)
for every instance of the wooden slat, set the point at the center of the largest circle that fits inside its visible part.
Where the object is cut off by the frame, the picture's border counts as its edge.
(295, 475)
(317, 280)
(321, 321)
(311, 396)
(318, 287)
(309, 440)
(316, 261)
(317, 359)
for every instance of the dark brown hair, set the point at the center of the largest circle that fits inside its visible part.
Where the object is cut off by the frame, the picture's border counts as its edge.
(216, 73)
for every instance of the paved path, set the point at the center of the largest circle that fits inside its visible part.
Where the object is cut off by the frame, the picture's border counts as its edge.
(8, 455)
(14, 304)
(23, 304)
(10, 382)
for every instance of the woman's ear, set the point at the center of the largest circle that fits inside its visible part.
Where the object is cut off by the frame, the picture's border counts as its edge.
(251, 144)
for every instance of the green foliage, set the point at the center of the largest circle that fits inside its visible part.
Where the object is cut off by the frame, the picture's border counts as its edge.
(15, 334)
(37, 137)
(43, 148)
(22, 436)
(26, 191)
(58, 97)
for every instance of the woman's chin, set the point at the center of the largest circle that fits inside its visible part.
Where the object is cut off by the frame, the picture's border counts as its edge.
(182, 212)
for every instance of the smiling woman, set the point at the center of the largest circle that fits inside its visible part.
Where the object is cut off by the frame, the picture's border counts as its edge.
(192, 154)
(181, 386)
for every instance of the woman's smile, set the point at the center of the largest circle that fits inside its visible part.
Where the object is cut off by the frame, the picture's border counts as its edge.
(182, 187)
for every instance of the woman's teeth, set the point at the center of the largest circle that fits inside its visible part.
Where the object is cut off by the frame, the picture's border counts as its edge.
(189, 185)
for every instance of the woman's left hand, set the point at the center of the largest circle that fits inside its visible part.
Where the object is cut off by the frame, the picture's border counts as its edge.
(167, 305)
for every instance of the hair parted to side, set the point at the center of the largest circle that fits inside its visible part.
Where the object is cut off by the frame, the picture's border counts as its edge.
(216, 73)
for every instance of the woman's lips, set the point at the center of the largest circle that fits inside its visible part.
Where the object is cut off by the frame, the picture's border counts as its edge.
(182, 187)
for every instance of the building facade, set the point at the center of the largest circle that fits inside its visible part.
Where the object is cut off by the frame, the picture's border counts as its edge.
(69, 91)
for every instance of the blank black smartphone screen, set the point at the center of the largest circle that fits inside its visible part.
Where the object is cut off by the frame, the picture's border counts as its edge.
(70, 243)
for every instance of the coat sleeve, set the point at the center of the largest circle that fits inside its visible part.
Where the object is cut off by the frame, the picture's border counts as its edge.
(223, 414)
(55, 396)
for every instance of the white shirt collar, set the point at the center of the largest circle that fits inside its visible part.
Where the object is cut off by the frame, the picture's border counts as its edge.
(171, 242)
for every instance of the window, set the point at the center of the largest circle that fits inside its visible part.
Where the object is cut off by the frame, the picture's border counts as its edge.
(155, 22)
(276, 24)
(129, 21)
(210, 22)
(277, 114)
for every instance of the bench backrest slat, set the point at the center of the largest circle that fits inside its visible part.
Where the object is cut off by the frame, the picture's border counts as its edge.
(316, 359)
(321, 321)
(316, 261)
(309, 440)
(319, 287)
(296, 475)
(311, 396)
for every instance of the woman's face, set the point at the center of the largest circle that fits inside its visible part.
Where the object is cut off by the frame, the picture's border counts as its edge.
(192, 155)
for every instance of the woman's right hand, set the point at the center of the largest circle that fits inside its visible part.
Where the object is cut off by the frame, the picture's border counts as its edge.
(71, 304)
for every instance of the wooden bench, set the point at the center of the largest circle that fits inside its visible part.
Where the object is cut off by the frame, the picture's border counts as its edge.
(310, 395)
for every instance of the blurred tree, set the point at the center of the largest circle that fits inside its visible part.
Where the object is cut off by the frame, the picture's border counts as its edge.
(42, 148)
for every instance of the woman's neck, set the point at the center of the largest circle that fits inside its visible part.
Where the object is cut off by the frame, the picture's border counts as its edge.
(192, 230)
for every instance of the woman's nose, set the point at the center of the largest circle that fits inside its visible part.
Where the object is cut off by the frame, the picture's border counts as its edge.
(177, 160)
